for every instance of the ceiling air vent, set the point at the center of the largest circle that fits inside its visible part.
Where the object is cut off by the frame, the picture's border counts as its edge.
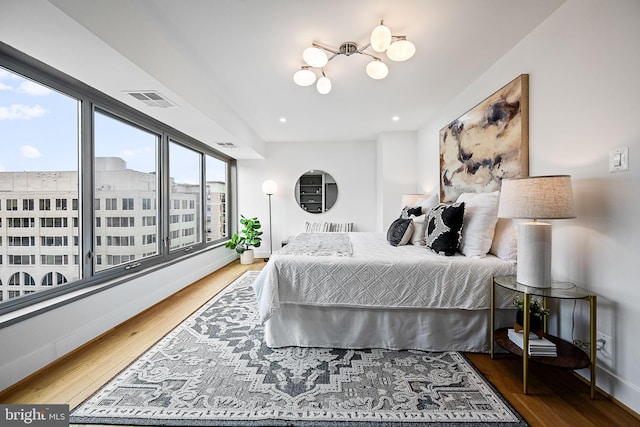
(152, 98)
(226, 144)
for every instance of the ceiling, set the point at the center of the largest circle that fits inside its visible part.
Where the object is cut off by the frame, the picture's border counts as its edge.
(228, 64)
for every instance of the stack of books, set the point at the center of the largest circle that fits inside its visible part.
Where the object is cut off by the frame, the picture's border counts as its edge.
(537, 346)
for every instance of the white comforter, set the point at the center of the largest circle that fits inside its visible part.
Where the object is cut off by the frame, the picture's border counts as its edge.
(380, 275)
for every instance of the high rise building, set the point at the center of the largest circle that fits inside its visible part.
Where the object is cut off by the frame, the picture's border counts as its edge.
(40, 246)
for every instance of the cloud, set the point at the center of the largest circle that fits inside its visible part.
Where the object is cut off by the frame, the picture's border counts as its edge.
(21, 112)
(2, 168)
(128, 153)
(5, 87)
(30, 88)
(30, 152)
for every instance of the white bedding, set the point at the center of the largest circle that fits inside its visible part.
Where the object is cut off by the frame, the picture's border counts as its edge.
(378, 275)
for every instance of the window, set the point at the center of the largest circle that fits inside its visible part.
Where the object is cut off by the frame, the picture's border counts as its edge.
(127, 204)
(21, 240)
(216, 196)
(44, 204)
(121, 177)
(54, 222)
(50, 182)
(61, 204)
(40, 164)
(54, 241)
(185, 176)
(52, 279)
(21, 222)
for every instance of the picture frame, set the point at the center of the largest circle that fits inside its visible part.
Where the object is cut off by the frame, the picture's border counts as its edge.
(488, 143)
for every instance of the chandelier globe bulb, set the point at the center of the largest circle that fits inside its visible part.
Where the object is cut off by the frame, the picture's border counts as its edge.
(377, 69)
(304, 77)
(401, 50)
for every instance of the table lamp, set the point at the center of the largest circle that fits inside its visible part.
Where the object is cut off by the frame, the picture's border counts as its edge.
(535, 198)
(410, 199)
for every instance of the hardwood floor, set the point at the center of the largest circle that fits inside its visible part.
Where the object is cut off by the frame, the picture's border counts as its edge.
(556, 397)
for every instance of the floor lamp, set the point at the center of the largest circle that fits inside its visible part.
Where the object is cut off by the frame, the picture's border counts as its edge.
(535, 198)
(269, 188)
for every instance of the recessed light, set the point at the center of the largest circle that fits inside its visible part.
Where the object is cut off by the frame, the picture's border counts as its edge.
(283, 120)
(395, 118)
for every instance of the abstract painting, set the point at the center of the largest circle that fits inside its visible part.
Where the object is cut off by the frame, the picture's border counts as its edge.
(487, 143)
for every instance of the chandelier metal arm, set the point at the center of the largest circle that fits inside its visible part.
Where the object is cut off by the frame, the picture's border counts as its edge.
(335, 52)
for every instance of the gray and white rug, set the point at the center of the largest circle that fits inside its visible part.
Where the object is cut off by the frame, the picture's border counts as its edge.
(215, 370)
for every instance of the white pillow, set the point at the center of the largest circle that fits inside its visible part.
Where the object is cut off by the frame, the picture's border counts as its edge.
(418, 237)
(428, 203)
(505, 242)
(480, 218)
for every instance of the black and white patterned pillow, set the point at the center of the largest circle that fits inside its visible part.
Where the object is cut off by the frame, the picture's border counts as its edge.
(400, 231)
(407, 212)
(444, 228)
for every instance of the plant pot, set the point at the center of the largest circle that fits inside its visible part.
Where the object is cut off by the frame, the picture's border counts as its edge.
(247, 257)
(535, 323)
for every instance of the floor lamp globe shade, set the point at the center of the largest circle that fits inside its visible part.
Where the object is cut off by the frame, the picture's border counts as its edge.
(269, 187)
(534, 254)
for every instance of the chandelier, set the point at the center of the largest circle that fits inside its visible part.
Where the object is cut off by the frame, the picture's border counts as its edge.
(398, 48)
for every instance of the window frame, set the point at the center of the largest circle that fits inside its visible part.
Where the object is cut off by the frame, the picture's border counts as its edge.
(91, 100)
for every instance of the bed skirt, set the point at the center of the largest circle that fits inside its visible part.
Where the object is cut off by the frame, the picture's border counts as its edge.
(396, 329)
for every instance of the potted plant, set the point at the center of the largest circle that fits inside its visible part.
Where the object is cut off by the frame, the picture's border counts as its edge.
(248, 238)
(536, 315)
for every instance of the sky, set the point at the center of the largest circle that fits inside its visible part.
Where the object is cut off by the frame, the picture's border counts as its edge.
(39, 132)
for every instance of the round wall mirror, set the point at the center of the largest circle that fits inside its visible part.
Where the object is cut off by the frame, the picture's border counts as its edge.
(316, 191)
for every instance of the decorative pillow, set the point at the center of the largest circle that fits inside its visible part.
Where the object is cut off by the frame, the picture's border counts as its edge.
(408, 211)
(444, 228)
(429, 202)
(480, 218)
(400, 231)
(418, 237)
(505, 243)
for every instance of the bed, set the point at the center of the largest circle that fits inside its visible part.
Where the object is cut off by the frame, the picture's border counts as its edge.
(355, 290)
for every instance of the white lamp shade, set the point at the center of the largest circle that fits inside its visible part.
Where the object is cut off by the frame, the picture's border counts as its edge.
(304, 77)
(324, 85)
(315, 57)
(401, 50)
(269, 187)
(380, 38)
(539, 197)
(410, 199)
(377, 70)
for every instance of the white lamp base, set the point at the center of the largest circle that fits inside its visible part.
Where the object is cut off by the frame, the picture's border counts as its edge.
(534, 254)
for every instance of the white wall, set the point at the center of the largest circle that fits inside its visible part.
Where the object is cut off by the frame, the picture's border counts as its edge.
(352, 165)
(583, 63)
(37, 341)
(396, 172)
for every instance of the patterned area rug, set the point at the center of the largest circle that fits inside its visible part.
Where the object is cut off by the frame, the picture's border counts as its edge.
(215, 370)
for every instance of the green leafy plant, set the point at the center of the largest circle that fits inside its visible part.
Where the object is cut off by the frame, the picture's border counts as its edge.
(535, 308)
(249, 236)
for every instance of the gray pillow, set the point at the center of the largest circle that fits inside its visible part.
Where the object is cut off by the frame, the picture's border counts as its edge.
(400, 231)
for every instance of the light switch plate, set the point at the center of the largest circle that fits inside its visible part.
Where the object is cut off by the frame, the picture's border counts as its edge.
(619, 159)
